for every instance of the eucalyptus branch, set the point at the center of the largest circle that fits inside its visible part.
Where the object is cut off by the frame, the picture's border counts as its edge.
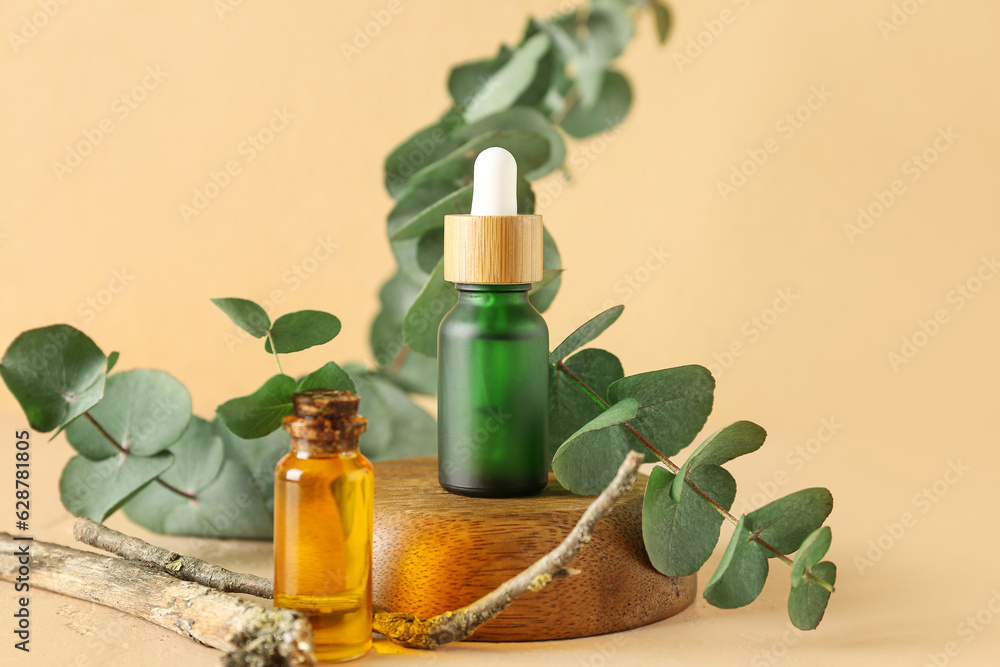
(675, 469)
(125, 451)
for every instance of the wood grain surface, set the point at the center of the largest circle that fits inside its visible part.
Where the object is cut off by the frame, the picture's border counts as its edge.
(434, 552)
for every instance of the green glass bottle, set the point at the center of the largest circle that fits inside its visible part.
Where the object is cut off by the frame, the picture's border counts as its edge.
(493, 345)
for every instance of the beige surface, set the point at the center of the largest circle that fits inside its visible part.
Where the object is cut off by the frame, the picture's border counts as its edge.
(647, 190)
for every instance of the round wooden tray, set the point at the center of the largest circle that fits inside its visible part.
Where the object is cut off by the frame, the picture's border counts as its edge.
(435, 552)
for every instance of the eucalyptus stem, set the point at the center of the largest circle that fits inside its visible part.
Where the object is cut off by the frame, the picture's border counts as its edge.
(675, 469)
(274, 350)
(125, 451)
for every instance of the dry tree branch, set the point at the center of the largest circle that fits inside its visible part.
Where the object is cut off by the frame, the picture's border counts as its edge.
(452, 626)
(253, 635)
(186, 568)
(146, 586)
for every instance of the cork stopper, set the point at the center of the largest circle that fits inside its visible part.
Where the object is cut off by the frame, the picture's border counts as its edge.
(325, 421)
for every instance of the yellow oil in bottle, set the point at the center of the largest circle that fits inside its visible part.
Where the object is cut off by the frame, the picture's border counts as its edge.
(323, 499)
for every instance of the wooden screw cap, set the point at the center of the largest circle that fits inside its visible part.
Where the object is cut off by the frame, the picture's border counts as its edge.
(493, 249)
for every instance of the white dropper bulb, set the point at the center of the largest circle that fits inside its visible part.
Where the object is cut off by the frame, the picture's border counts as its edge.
(494, 183)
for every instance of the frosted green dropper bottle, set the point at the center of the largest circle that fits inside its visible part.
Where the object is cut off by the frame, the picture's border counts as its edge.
(493, 345)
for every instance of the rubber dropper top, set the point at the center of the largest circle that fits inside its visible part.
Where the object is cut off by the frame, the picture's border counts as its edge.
(493, 244)
(494, 183)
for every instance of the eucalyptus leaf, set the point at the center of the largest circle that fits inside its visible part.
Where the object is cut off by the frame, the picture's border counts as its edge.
(56, 373)
(548, 277)
(502, 88)
(807, 603)
(741, 573)
(466, 79)
(198, 456)
(112, 360)
(412, 372)
(810, 553)
(95, 489)
(530, 150)
(587, 462)
(423, 148)
(673, 404)
(585, 333)
(420, 326)
(570, 406)
(397, 427)
(607, 112)
(230, 506)
(144, 411)
(527, 119)
(245, 314)
(261, 412)
(737, 439)
(258, 455)
(786, 522)
(664, 21)
(301, 330)
(543, 295)
(680, 536)
(328, 376)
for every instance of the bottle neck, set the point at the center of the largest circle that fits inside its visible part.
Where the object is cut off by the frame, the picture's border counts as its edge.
(485, 294)
(315, 447)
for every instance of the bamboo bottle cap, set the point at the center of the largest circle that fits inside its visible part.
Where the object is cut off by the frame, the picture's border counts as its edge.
(493, 244)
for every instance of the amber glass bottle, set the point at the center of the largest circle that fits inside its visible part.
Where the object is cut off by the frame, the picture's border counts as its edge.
(323, 497)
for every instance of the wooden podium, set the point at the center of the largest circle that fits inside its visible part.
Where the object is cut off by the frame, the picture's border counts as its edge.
(434, 552)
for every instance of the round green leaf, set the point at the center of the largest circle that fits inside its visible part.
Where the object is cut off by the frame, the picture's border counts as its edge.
(56, 373)
(587, 462)
(230, 506)
(502, 89)
(807, 603)
(144, 411)
(245, 314)
(741, 574)
(737, 439)
(570, 406)
(786, 522)
(680, 536)
(261, 412)
(258, 455)
(811, 552)
(420, 326)
(609, 110)
(95, 489)
(198, 457)
(301, 330)
(673, 404)
(328, 376)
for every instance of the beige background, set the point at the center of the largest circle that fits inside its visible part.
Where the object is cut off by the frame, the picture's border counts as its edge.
(655, 186)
